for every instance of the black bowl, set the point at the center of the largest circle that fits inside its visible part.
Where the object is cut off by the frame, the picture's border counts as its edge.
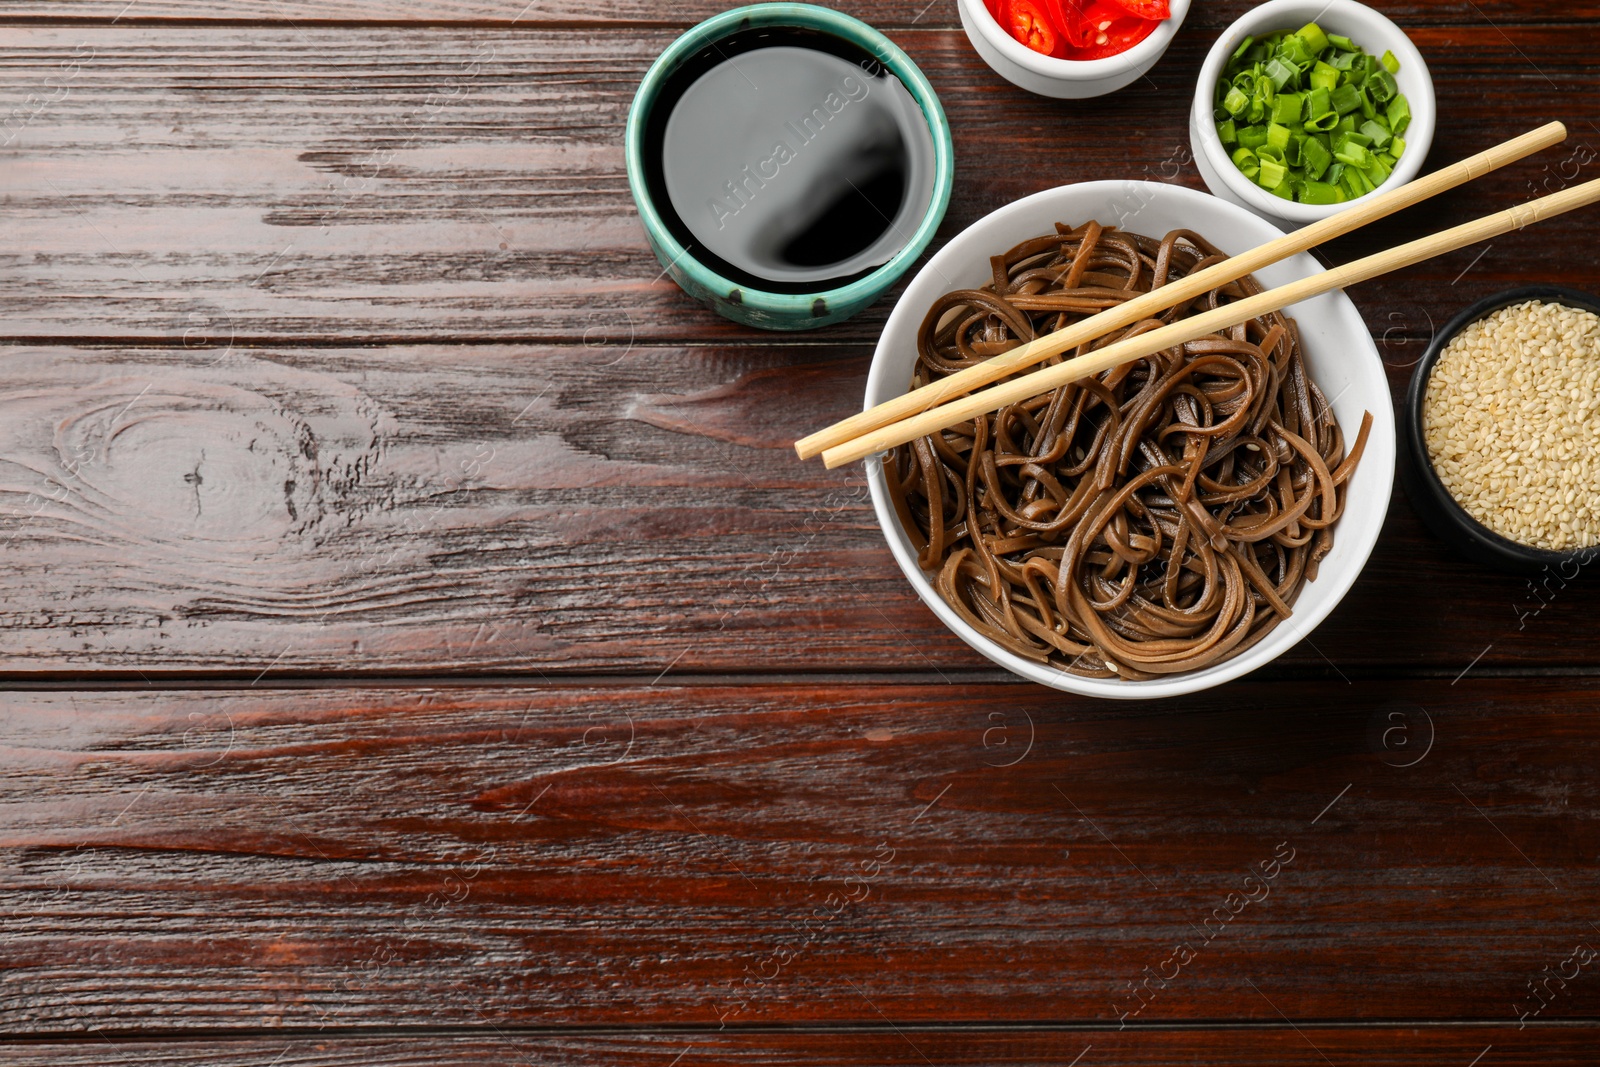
(1427, 494)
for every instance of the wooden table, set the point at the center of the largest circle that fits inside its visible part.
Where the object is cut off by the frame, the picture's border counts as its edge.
(421, 646)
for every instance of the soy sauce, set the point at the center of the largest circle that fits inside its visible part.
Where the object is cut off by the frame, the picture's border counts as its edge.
(789, 160)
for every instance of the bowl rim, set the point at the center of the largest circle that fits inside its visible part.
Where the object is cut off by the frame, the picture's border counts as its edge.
(1425, 109)
(1304, 620)
(804, 16)
(1139, 57)
(1427, 493)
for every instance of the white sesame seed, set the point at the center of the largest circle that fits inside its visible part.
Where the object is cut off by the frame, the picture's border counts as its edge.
(1511, 417)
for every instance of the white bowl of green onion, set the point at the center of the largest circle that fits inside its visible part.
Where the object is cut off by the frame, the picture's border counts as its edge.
(1306, 106)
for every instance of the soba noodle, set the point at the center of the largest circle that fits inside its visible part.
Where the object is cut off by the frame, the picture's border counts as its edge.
(1159, 517)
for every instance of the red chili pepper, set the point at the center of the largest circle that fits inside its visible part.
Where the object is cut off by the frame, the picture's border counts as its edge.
(1109, 30)
(1120, 36)
(1028, 24)
(1146, 9)
(1080, 29)
(1068, 18)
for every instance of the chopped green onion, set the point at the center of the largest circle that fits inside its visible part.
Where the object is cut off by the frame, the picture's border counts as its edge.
(1315, 40)
(1376, 169)
(1382, 86)
(1271, 174)
(1281, 72)
(1345, 99)
(1324, 123)
(1257, 111)
(1399, 115)
(1314, 192)
(1352, 153)
(1292, 152)
(1315, 157)
(1309, 116)
(1378, 135)
(1353, 156)
(1293, 49)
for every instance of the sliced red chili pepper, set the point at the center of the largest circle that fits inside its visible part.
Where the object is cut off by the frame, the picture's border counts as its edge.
(1067, 15)
(1110, 31)
(1096, 12)
(1146, 9)
(1120, 36)
(1027, 23)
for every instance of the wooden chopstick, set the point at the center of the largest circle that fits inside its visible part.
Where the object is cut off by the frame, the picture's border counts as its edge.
(1158, 300)
(1221, 318)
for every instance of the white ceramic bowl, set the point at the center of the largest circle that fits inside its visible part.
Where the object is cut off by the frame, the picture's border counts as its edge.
(1338, 350)
(1375, 34)
(1063, 78)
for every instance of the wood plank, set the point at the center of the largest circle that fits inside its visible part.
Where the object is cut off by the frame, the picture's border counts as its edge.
(763, 854)
(1500, 1046)
(1212, 16)
(175, 183)
(538, 509)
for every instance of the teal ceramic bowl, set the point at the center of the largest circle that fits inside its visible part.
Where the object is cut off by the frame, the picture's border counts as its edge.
(741, 302)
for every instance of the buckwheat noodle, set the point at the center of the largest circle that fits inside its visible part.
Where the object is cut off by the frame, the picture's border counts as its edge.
(1159, 517)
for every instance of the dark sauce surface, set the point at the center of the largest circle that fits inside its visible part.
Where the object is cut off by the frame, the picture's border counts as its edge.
(788, 160)
(852, 221)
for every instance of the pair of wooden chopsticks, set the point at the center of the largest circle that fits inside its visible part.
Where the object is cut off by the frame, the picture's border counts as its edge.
(925, 411)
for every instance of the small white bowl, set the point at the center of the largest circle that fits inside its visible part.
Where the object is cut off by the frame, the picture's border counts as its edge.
(1367, 28)
(1338, 350)
(1066, 79)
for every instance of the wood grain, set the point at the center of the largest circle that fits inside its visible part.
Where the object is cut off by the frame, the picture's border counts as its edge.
(331, 346)
(359, 185)
(539, 510)
(1305, 1046)
(763, 853)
